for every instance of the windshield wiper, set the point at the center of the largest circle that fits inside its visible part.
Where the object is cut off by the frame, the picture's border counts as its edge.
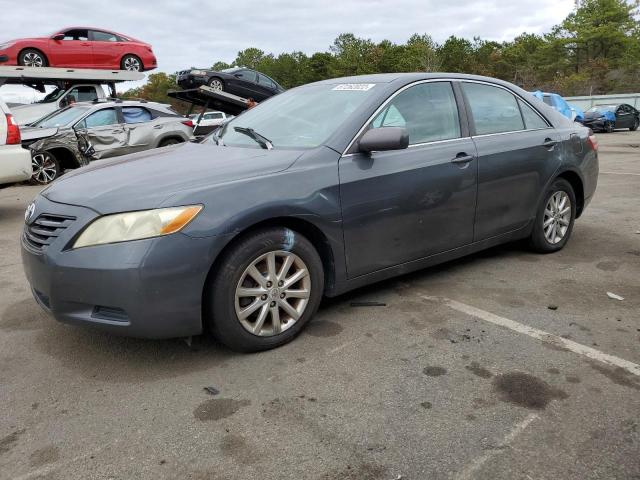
(263, 141)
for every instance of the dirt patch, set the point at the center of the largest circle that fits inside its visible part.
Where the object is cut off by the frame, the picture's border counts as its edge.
(617, 375)
(426, 405)
(8, 442)
(553, 371)
(323, 329)
(236, 447)
(434, 371)
(526, 390)
(218, 408)
(43, 456)
(479, 371)
(572, 379)
(608, 266)
(363, 471)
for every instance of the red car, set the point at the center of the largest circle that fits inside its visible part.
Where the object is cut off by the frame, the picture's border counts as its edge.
(80, 47)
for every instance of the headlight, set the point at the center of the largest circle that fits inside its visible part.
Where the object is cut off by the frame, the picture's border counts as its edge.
(5, 45)
(123, 227)
(198, 72)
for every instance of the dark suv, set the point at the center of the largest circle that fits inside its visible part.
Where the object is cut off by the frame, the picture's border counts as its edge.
(239, 81)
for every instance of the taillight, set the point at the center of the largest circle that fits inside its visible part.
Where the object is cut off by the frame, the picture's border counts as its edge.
(592, 141)
(188, 123)
(13, 131)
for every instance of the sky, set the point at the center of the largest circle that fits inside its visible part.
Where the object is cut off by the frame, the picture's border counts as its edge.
(186, 33)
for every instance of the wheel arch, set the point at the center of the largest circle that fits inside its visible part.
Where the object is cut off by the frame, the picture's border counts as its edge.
(131, 55)
(578, 188)
(170, 136)
(308, 229)
(39, 50)
(65, 157)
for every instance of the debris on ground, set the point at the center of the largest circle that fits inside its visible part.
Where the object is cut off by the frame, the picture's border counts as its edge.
(614, 296)
(368, 304)
(211, 390)
(552, 307)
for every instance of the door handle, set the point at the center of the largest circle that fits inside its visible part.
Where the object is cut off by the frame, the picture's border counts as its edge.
(462, 158)
(549, 143)
(85, 44)
(157, 127)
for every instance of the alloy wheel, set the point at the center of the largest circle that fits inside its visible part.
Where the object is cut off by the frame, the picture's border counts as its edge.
(557, 217)
(272, 293)
(132, 64)
(32, 59)
(216, 84)
(44, 168)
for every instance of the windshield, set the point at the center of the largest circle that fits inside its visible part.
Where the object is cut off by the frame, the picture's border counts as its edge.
(230, 70)
(52, 96)
(301, 118)
(62, 118)
(602, 108)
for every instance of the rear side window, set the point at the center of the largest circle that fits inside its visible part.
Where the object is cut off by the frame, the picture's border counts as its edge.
(494, 109)
(136, 115)
(428, 111)
(531, 119)
(101, 118)
(99, 36)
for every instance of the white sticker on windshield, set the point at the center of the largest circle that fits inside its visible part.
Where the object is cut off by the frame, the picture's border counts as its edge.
(361, 87)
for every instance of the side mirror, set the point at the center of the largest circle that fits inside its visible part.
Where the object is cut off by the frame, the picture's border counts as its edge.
(385, 138)
(58, 37)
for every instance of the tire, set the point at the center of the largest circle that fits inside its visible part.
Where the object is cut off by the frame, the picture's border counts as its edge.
(543, 239)
(216, 83)
(636, 123)
(224, 303)
(131, 63)
(608, 127)
(46, 167)
(31, 57)
(169, 141)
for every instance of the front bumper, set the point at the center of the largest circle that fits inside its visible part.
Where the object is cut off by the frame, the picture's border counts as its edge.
(191, 81)
(598, 124)
(15, 164)
(147, 288)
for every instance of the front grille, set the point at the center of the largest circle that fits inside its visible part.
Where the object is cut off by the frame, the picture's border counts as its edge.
(45, 229)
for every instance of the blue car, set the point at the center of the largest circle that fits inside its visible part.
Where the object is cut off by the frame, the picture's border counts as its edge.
(606, 118)
(560, 104)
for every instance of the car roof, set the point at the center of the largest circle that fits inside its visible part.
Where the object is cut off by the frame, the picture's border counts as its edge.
(409, 78)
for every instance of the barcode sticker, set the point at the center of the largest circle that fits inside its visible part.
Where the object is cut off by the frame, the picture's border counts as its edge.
(361, 87)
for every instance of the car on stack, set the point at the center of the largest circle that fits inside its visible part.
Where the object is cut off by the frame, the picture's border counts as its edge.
(75, 135)
(240, 81)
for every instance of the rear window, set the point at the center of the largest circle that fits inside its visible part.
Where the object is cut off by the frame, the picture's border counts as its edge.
(494, 109)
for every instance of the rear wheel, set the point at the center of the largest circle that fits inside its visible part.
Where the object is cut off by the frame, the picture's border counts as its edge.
(267, 288)
(46, 167)
(635, 125)
(32, 58)
(131, 63)
(216, 84)
(555, 218)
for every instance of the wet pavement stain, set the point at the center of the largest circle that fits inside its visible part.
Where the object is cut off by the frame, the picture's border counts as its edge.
(364, 471)
(608, 266)
(434, 371)
(572, 379)
(43, 456)
(479, 371)
(323, 329)
(236, 447)
(426, 405)
(8, 442)
(617, 375)
(218, 408)
(553, 371)
(526, 390)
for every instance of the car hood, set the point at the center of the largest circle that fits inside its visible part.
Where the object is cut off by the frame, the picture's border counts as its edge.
(144, 180)
(34, 133)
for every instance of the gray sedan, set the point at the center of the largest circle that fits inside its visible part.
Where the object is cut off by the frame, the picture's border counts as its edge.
(319, 190)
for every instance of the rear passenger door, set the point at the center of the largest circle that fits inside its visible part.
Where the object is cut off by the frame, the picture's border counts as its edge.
(403, 205)
(140, 128)
(518, 152)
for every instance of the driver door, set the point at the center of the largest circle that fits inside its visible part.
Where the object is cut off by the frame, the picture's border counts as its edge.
(72, 51)
(102, 134)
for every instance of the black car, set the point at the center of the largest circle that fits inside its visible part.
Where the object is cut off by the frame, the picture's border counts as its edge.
(239, 81)
(607, 118)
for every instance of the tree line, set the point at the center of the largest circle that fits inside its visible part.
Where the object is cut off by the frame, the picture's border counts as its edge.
(595, 50)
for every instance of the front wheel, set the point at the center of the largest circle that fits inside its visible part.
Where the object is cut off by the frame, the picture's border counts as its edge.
(216, 84)
(46, 167)
(555, 218)
(32, 58)
(266, 289)
(609, 127)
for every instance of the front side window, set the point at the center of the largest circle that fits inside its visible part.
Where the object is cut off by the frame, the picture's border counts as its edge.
(77, 34)
(532, 120)
(428, 111)
(246, 75)
(101, 118)
(136, 115)
(494, 109)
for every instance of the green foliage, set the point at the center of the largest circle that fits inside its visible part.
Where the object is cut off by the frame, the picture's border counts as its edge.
(596, 49)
